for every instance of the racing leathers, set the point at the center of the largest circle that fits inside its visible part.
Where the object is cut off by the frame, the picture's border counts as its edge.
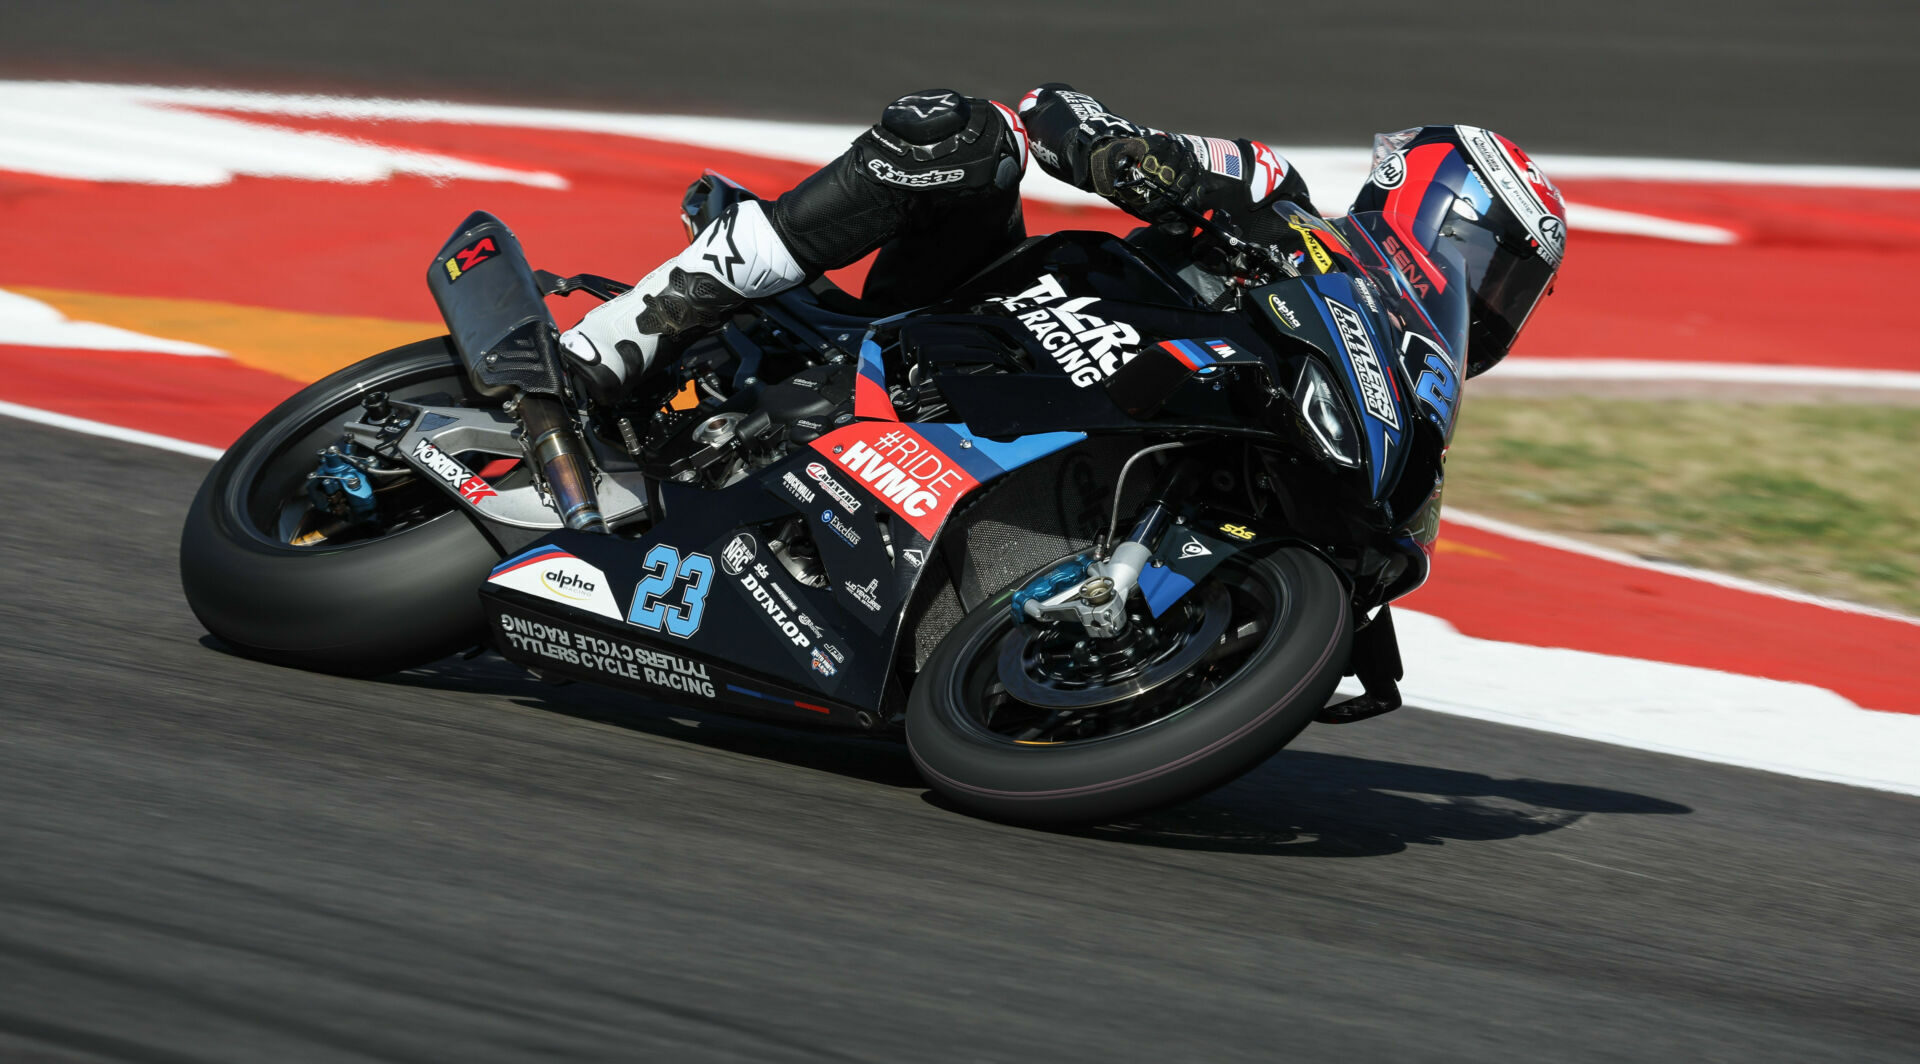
(934, 187)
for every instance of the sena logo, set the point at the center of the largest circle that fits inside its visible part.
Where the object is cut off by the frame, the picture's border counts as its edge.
(833, 487)
(568, 585)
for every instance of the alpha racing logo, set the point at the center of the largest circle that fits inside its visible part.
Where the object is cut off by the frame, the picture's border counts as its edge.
(449, 469)
(1375, 392)
(1283, 312)
(569, 585)
(893, 175)
(1088, 348)
(833, 487)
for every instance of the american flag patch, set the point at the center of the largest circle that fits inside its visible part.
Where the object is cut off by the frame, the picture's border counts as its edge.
(1223, 156)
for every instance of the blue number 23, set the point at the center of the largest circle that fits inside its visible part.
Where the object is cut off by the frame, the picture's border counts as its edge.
(665, 568)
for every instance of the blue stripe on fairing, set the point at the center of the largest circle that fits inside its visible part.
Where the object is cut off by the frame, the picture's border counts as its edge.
(527, 556)
(1163, 587)
(737, 689)
(985, 458)
(1202, 356)
(871, 365)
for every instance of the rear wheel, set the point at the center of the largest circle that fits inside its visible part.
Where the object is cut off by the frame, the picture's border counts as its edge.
(1039, 724)
(262, 573)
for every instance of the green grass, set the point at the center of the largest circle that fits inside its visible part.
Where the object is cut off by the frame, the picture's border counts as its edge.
(1825, 498)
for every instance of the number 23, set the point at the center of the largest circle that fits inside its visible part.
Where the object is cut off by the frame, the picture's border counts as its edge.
(665, 568)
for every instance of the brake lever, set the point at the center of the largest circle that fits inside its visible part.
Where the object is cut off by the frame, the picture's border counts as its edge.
(1236, 244)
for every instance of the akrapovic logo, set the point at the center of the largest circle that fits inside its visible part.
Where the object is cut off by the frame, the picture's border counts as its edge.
(1375, 392)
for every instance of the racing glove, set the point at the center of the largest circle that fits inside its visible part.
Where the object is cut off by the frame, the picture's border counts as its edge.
(1148, 176)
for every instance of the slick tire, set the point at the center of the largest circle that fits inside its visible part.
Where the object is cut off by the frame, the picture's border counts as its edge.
(363, 608)
(1209, 742)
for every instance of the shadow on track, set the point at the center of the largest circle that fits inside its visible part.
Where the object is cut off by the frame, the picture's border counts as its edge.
(1300, 803)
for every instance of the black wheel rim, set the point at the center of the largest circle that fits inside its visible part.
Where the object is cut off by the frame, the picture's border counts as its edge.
(1017, 683)
(266, 493)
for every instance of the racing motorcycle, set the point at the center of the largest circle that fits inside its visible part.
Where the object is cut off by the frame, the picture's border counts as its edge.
(1100, 531)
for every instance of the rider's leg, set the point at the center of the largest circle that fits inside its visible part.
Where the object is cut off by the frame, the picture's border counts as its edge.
(930, 152)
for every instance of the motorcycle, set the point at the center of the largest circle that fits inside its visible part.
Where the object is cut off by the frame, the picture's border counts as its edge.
(1099, 531)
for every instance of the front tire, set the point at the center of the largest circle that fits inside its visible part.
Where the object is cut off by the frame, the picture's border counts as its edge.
(983, 748)
(364, 607)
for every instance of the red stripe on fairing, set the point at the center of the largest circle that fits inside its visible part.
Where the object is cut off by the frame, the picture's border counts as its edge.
(811, 706)
(871, 402)
(1403, 205)
(1173, 348)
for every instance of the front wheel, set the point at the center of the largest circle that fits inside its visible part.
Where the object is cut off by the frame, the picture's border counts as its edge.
(1038, 724)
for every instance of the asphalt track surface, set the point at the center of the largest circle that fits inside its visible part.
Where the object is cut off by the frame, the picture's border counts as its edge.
(204, 858)
(1761, 80)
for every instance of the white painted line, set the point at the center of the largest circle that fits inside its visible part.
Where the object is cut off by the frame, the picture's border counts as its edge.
(111, 432)
(1771, 725)
(1575, 546)
(1626, 369)
(31, 323)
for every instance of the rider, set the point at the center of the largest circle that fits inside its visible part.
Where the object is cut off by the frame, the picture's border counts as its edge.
(934, 186)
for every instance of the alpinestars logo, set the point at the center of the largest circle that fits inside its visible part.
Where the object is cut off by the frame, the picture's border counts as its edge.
(1089, 349)
(893, 175)
(449, 469)
(1375, 392)
(723, 229)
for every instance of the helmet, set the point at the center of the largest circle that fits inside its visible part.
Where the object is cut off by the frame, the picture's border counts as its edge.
(1474, 226)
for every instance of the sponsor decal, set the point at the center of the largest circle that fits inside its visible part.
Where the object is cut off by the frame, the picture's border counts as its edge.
(867, 594)
(893, 175)
(448, 468)
(1283, 312)
(1239, 532)
(1045, 154)
(1410, 268)
(1088, 348)
(470, 256)
(1268, 171)
(809, 624)
(1193, 548)
(740, 550)
(1438, 386)
(1363, 288)
(835, 653)
(553, 574)
(833, 487)
(914, 556)
(1375, 391)
(1311, 240)
(1391, 171)
(823, 664)
(841, 528)
(910, 476)
(1519, 187)
(797, 489)
(611, 656)
(777, 614)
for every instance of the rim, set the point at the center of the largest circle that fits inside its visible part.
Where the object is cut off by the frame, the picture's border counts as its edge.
(267, 493)
(1050, 685)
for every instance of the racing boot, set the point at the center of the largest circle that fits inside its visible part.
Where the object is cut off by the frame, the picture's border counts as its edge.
(736, 258)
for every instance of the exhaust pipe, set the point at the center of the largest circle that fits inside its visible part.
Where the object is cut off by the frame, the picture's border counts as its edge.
(561, 458)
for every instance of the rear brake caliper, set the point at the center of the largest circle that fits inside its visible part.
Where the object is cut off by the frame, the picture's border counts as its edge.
(341, 486)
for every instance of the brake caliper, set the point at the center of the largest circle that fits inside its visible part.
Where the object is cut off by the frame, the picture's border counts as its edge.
(1066, 575)
(340, 484)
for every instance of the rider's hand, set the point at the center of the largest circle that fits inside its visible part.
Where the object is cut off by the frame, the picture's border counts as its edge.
(1148, 175)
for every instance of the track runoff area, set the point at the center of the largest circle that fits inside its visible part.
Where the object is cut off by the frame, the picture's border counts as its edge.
(183, 259)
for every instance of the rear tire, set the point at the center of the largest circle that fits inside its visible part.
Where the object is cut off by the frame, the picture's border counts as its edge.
(1194, 747)
(360, 608)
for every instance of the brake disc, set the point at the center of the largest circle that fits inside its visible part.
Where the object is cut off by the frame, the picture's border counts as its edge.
(1025, 679)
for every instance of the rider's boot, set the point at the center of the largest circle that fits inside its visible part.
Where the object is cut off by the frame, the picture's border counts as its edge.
(736, 258)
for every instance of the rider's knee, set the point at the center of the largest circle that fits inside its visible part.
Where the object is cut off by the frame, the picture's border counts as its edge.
(941, 141)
